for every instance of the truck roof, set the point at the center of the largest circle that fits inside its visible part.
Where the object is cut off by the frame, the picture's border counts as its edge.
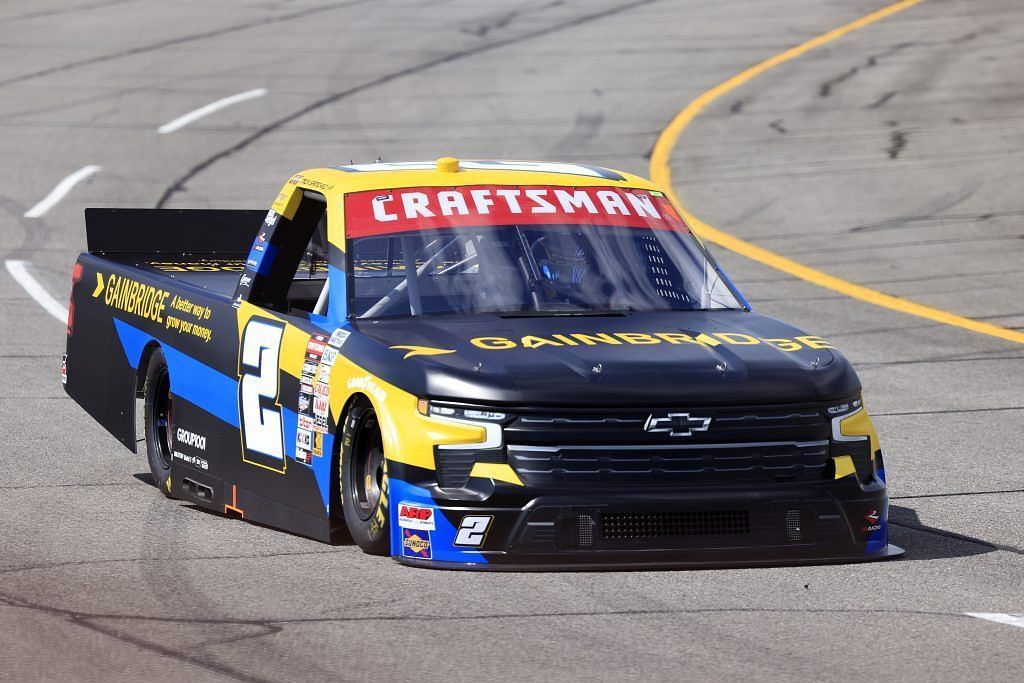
(448, 171)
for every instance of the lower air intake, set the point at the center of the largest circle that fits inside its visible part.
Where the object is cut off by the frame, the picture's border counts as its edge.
(584, 530)
(630, 525)
(793, 531)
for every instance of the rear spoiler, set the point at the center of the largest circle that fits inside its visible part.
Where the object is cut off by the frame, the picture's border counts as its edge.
(221, 232)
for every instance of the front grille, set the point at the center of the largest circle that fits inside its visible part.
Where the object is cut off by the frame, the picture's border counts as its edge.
(669, 464)
(640, 525)
(589, 447)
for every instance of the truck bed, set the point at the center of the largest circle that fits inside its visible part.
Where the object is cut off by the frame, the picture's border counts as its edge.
(217, 276)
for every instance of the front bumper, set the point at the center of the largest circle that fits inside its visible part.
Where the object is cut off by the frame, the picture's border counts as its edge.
(517, 528)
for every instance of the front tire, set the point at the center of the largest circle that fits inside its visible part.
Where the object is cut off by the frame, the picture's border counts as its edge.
(364, 480)
(159, 421)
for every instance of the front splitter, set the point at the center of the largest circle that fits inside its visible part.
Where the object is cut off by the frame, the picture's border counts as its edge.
(560, 563)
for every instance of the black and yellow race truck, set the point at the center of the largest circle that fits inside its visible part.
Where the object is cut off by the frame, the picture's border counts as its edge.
(474, 364)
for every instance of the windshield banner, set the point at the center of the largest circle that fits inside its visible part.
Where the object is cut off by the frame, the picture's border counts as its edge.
(380, 212)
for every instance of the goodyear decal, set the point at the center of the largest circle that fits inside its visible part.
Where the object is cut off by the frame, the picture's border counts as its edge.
(532, 341)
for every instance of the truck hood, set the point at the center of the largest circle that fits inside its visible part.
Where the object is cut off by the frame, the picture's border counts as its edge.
(663, 358)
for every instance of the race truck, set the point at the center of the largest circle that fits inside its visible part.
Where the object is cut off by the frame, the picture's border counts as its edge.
(475, 364)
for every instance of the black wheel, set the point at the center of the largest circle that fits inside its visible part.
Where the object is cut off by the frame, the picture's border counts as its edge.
(364, 480)
(159, 421)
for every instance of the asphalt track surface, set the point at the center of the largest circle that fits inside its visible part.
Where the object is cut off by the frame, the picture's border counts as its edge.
(891, 157)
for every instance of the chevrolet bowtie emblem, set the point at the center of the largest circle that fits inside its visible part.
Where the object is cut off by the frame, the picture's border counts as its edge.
(676, 424)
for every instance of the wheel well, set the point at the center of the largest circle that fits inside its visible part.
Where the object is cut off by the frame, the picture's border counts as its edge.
(140, 372)
(336, 450)
(140, 390)
(352, 400)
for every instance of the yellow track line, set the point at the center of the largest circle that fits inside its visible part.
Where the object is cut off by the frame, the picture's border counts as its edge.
(662, 175)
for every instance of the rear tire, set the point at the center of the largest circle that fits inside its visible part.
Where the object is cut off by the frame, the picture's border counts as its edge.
(364, 480)
(159, 421)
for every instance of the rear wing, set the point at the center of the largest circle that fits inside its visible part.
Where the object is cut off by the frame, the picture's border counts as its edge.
(221, 232)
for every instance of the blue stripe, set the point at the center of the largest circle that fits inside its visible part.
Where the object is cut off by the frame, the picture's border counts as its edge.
(217, 394)
(199, 384)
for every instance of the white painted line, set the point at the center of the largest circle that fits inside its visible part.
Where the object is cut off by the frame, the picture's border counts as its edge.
(1010, 619)
(63, 187)
(188, 118)
(19, 271)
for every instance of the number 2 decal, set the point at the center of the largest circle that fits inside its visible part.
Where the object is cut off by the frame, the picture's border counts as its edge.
(259, 412)
(473, 530)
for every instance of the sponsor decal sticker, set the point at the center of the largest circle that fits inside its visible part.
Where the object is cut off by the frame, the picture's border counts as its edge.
(304, 401)
(417, 208)
(189, 309)
(132, 297)
(187, 438)
(199, 266)
(319, 426)
(64, 368)
(416, 543)
(316, 347)
(318, 444)
(324, 374)
(645, 339)
(411, 351)
(330, 354)
(193, 460)
(369, 385)
(303, 439)
(412, 516)
(473, 530)
(305, 422)
(338, 337)
(303, 456)
(873, 521)
(321, 406)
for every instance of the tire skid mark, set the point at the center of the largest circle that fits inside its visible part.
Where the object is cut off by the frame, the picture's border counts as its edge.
(68, 10)
(826, 88)
(661, 173)
(882, 100)
(897, 143)
(179, 184)
(181, 40)
(139, 560)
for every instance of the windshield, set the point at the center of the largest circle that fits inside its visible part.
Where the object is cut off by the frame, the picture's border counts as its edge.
(615, 251)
